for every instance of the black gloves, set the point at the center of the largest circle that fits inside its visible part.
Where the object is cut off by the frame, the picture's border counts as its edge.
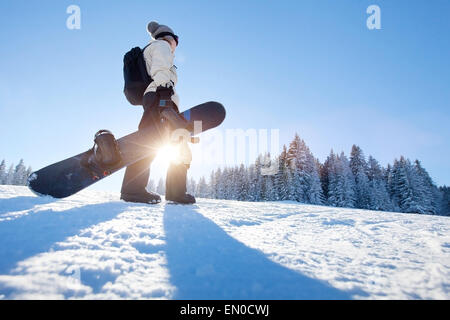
(164, 93)
(153, 102)
(152, 98)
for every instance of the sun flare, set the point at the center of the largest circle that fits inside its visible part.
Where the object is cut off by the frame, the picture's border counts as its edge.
(168, 152)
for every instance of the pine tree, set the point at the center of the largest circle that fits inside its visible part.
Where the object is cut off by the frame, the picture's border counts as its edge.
(325, 172)
(220, 183)
(294, 160)
(253, 190)
(408, 190)
(388, 179)
(236, 183)
(231, 184)
(379, 198)
(3, 172)
(10, 175)
(268, 186)
(348, 186)
(212, 186)
(421, 196)
(270, 189)
(314, 192)
(191, 186)
(445, 204)
(258, 180)
(243, 185)
(329, 179)
(359, 169)
(305, 172)
(432, 197)
(341, 188)
(281, 177)
(19, 174)
(296, 185)
(400, 185)
(291, 184)
(225, 183)
(28, 173)
(202, 188)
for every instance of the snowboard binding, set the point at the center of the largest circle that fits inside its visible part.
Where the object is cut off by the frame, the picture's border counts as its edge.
(103, 156)
(106, 149)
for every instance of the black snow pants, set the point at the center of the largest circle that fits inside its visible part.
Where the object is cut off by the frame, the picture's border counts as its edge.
(136, 175)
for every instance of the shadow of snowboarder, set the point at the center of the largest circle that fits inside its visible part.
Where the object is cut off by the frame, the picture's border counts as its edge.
(206, 263)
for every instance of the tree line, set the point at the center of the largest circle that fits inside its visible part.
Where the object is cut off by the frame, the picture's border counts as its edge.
(14, 175)
(341, 181)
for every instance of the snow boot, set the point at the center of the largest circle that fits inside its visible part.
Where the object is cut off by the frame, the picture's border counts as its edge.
(176, 184)
(184, 199)
(142, 197)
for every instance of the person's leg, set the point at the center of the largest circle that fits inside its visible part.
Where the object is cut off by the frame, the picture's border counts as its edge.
(177, 177)
(176, 180)
(136, 175)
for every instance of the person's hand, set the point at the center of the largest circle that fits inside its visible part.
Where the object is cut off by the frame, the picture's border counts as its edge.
(165, 93)
(152, 98)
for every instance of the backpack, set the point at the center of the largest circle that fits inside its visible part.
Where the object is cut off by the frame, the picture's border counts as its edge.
(135, 75)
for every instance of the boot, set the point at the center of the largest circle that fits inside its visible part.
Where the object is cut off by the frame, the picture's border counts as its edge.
(143, 197)
(176, 184)
(184, 199)
(134, 182)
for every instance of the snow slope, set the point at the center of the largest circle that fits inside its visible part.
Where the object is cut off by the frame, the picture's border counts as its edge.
(93, 246)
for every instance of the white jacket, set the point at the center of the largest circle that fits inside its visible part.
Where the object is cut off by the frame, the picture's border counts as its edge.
(159, 62)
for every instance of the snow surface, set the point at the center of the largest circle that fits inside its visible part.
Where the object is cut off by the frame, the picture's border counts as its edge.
(94, 246)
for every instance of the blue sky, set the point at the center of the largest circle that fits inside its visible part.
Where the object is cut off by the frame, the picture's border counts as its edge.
(311, 67)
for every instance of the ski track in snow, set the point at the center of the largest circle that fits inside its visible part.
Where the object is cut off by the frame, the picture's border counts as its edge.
(93, 246)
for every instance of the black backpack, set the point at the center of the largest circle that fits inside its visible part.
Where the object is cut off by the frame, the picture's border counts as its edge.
(135, 75)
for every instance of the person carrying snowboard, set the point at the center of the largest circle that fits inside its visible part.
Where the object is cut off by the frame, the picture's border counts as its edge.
(159, 57)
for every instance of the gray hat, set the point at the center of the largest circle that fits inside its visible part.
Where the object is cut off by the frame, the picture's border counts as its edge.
(157, 30)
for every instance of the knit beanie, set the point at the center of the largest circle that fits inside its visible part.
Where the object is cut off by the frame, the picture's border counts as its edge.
(157, 30)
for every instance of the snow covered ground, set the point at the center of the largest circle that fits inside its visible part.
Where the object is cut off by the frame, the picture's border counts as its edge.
(93, 246)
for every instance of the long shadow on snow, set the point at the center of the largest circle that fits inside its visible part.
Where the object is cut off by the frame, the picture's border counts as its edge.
(22, 203)
(206, 263)
(37, 232)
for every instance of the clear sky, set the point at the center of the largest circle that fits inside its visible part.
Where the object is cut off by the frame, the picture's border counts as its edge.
(311, 67)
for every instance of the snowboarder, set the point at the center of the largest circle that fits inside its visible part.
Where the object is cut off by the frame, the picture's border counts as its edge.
(159, 57)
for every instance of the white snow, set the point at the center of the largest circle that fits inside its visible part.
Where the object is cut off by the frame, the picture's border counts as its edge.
(94, 246)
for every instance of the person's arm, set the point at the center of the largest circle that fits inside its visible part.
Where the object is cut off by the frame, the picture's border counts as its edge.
(161, 59)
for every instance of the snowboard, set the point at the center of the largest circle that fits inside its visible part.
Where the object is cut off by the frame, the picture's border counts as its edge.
(67, 177)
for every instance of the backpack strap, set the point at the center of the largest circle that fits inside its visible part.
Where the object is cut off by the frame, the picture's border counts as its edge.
(146, 47)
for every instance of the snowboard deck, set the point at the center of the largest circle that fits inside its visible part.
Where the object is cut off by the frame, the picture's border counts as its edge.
(69, 176)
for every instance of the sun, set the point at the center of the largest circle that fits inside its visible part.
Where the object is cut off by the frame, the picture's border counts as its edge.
(168, 152)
